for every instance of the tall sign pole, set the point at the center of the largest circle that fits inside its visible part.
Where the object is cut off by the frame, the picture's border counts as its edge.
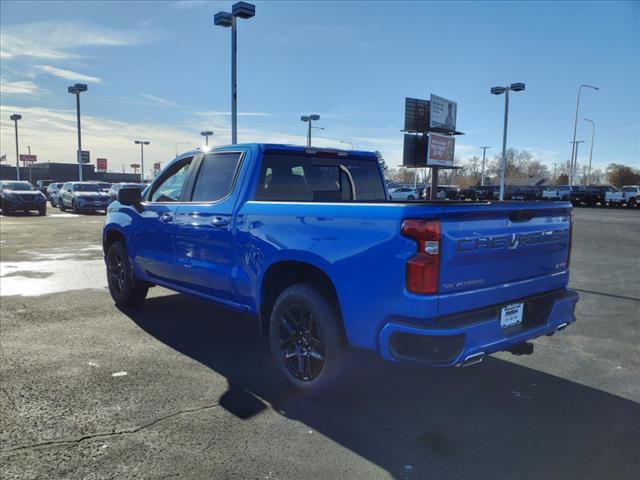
(484, 156)
(15, 117)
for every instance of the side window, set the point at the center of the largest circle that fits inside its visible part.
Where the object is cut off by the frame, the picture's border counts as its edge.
(170, 187)
(215, 177)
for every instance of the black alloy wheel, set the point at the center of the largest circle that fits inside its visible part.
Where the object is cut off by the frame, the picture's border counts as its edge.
(302, 345)
(126, 290)
(116, 273)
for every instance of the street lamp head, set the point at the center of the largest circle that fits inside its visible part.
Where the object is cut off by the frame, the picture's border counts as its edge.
(315, 117)
(517, 87)
(498, 90)
(305, 118)
(243, 10)
(222, 19)
(590, 86)
(207, 133)
(137, 142)
(146, 143)
(16, 116)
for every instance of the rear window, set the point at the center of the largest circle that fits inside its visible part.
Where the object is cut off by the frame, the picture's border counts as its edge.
(302, 178)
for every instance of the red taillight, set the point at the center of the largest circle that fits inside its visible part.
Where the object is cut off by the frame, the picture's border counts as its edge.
(423, 269)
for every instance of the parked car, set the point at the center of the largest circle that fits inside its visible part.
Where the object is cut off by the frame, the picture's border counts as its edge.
(445, 192)
(53, 191)
(629, 195)
(487, 192)
(82, 196)
(42, 186)
(521, 193)
(591, 195)
(104, 186)
(19, 195)
(404, 193)
(113, 191)
(307, 242)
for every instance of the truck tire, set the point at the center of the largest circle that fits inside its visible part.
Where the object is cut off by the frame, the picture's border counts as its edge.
(631, 203)
(305, 339)
(126, 290)
(74, 207)
(42, 211)
(61, 205)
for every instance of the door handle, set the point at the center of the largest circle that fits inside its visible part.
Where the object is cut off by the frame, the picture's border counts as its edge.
(166, 217)
(219, 221)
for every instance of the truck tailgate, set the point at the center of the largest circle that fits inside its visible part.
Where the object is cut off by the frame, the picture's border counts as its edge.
(495, 253)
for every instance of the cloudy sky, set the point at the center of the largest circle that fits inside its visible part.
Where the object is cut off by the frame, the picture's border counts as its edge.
(159, 71)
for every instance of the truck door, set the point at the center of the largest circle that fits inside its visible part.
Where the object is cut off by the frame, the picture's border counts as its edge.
(204, 227)
(154, 252)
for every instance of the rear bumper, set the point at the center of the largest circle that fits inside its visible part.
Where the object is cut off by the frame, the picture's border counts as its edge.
(452, 340)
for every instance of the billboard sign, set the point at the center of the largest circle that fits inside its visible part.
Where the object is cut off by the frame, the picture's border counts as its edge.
(156, 168)
(28, 158)
(440, 150)
(414, 153)
(85, 156)
(443, 113)
(101, 164)
(416, 115)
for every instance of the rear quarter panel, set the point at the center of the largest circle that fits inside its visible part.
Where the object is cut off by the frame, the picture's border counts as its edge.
(358, 246)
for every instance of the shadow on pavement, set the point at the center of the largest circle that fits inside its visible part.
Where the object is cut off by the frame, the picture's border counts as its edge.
(495, 420)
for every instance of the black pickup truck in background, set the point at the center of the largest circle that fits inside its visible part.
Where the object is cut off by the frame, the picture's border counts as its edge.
(591, 195)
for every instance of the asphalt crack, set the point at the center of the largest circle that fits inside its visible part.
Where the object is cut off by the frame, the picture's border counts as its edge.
(77, 440)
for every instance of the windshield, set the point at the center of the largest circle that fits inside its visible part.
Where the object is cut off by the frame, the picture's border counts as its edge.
(86, 187)
(629, 189)
(17, 186)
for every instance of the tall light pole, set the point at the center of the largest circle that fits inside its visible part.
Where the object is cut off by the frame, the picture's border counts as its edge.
(225, 19)
(516, 87)
(206, 136)
(574, 151)
(309, 119)
(575, 167)
(76, 90)
(484, 156)
(15, 117)
(593, 134)
(347, 142)
(142, 143)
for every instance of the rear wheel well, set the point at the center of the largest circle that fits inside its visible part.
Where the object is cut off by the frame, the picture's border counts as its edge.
(110, 238)
(282, 275)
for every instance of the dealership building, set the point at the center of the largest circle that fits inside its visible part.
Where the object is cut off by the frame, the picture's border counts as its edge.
(64, 172)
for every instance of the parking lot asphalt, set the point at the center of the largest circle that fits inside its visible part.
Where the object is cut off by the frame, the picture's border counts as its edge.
(180, 388)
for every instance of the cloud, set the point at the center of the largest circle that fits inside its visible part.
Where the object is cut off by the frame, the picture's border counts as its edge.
(69, 74)
(24, 87)
(58, 40)
(187, 4)
(159, 100)
(215, 113)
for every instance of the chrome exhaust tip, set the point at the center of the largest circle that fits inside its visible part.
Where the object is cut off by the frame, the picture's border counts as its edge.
(562, 326)
(471, 360)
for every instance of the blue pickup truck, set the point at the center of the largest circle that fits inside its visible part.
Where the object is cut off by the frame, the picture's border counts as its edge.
(308, 242)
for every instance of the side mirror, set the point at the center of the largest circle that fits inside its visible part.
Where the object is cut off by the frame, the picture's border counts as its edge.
(130, 196)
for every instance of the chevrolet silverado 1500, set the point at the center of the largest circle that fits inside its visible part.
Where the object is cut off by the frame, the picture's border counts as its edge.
(307, 241)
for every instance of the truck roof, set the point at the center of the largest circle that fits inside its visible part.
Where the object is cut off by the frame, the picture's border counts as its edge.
(284, 148)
